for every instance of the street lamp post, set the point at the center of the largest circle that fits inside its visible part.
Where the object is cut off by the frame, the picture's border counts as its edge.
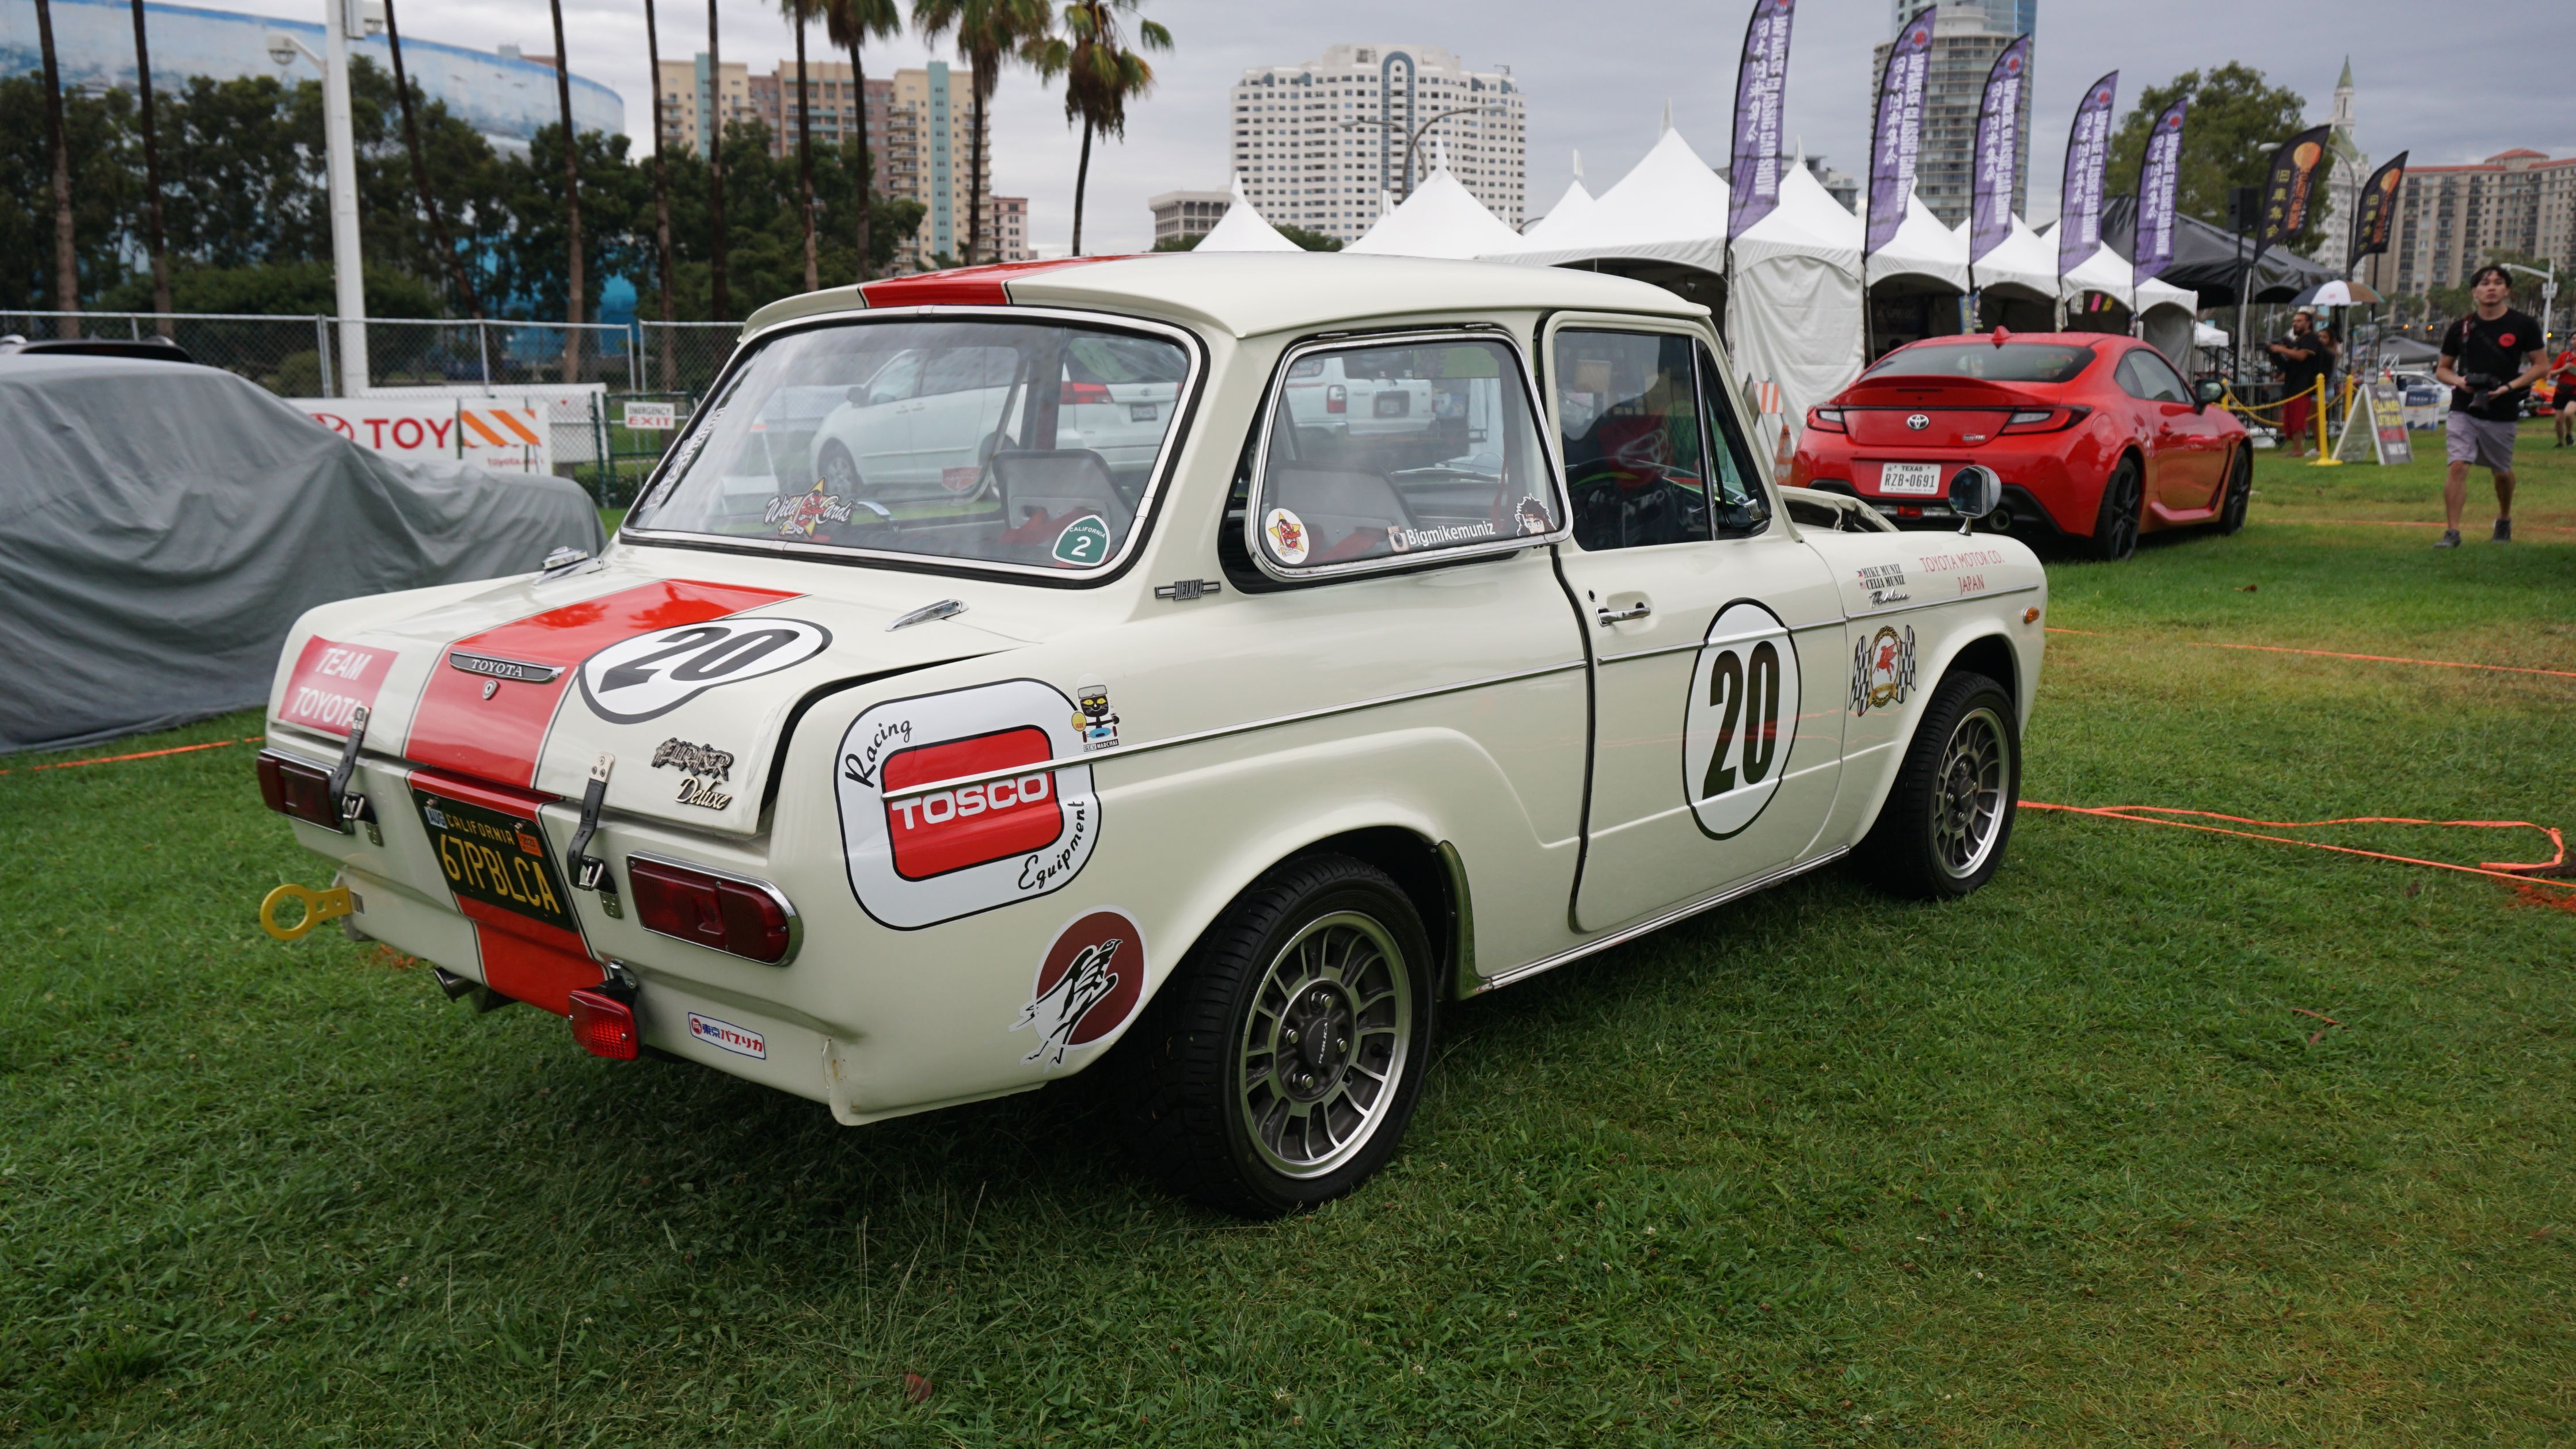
(1414, 140)
(2548, 290)
(342, 22)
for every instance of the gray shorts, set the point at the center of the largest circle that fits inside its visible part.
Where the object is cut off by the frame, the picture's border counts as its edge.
(2486, 442)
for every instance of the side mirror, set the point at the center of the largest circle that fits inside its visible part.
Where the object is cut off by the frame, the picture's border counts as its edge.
(1975, 493)
(857, 397)
(2211, 390)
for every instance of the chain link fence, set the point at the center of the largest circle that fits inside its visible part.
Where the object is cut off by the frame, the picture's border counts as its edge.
(290, 356)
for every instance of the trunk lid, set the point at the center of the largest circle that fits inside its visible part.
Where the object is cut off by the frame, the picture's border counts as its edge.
(1956, 412)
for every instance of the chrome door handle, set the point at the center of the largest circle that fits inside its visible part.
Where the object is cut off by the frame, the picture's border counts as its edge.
(1609, 617)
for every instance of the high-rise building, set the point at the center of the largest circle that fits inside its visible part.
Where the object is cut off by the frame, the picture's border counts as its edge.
(1187, 213)
(1965, 41)
(1317, 143)
(918, 124)
(2012, 17)
(2450, 217)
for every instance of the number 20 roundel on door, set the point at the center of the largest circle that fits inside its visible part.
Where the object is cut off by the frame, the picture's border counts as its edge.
(1741, 719)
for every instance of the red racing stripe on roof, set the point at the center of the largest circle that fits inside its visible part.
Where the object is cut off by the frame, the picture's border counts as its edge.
(963, 286)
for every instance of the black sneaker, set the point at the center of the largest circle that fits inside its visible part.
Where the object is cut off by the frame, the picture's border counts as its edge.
(2504, 530)
(2450, 539)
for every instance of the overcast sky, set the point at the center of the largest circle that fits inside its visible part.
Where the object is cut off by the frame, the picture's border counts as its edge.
(1597, 77)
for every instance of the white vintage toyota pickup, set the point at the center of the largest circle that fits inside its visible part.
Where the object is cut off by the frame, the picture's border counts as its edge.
(1014, 670)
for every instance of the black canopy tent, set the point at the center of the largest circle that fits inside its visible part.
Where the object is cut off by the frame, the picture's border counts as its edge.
(2208, 261)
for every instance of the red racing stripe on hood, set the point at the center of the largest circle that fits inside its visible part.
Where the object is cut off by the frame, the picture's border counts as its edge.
(962, 286)
(500, 738)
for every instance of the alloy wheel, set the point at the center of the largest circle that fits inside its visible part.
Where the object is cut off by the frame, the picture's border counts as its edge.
(1325, 1043)
(1968, 811)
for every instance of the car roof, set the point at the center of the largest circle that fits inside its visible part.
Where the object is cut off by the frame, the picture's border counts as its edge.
(1248, 293)
(2066, 339)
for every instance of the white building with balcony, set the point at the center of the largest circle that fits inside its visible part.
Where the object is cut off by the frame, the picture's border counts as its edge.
(1316, 144)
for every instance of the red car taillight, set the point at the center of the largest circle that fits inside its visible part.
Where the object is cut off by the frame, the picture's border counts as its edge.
(1076, 393)
(1828, 420)
(289, 786)
(1337, 399)
(605, 1026)
(739, 917)
(2045, 420)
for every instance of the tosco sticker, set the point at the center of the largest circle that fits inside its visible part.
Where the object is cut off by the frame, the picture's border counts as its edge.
(727, 1036)
(1286, 534)
(1084, 542)
(1088, 985)
(653, 674)
(1882, 670)
(1013, 830)
(1741, 720)
(331, 681)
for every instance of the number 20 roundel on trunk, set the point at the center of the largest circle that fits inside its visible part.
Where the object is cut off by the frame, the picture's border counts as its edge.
(919, 859)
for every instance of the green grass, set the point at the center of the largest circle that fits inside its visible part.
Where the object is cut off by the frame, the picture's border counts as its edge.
(2058, 1164)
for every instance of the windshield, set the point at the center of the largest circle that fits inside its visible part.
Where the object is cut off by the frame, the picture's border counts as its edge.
(2012, 362)
(1026, 444)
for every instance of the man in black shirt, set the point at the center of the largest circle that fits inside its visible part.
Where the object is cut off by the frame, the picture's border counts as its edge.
(2489, 359)
(2301, 358)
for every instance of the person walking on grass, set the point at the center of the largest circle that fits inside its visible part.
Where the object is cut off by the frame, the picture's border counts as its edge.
(2562, 398)
(2488, 359)
(2301, 358)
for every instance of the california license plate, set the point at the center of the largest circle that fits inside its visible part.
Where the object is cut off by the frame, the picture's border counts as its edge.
(1915, 478)
(496, 857)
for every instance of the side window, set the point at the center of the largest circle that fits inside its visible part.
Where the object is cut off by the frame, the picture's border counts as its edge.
(897, 381)
(1628, 417)
(1740, 506)
(969, 369)
(1409, 448)
(2163, 383)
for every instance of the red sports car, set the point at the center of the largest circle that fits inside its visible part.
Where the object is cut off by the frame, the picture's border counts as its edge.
(2096, 437)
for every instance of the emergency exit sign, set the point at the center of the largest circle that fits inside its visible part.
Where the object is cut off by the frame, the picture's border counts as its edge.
(658, 417)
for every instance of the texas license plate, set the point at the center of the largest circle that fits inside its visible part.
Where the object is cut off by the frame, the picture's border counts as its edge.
(1915, 478)
(496, 857)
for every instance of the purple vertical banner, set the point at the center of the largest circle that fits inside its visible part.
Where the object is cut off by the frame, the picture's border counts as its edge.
(2088, 147)
(1896, 137)
(2159, 179)
(1761, 86)
(1998, 155)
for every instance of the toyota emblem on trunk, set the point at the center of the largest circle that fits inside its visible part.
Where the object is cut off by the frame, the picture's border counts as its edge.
(1918, 422)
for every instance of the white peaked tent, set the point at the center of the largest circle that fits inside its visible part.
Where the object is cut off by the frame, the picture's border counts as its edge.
(1241, 229)
(1670, 208)
(1440, 219)
(2167, 315)
(1563, 219)
(1922, 247)
(2106, 272)
(1794, 316)
(2022, 262)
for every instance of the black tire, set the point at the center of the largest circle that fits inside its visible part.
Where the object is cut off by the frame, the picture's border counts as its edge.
(2240, 490)
(1949, 815)
(2115, 524)
(1215, 1110)
(834, 466)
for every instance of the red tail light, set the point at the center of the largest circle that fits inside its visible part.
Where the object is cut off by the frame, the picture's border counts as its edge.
(1075, 393)
(289, 786)
(1826, 420)
(604, 1026)
(1337, 398)
(2045, 420)
(745, 918)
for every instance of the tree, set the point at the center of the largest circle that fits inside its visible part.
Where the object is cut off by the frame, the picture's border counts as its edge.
(801, 13)
(661, 182)
(849, 23)
(152, 173)
(411, 143)
(989, 32)
(66, 257)
(1100, 76)
(572, 199)
(2236, 122)
(715, 165)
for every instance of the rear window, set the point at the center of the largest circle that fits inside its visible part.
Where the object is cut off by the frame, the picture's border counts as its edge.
(1023, 445)
(2012, 362)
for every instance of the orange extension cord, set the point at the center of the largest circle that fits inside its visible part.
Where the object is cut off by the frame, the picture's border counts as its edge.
(144, 755)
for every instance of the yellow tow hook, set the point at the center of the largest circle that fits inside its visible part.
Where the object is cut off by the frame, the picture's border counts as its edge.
(319, 906)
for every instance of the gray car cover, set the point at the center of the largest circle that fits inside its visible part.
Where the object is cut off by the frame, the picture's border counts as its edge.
(163, 525)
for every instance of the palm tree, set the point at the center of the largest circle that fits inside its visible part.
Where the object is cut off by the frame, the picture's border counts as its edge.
(849, 23)
(800, 13)
(66, 260)
(989, 32)
(715, 164)
(1100, 76)
(411, 140)
(575, 287)
(152, 173)
(661, 186)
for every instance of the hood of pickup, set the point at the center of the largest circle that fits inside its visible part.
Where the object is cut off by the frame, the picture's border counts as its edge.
(687, 684)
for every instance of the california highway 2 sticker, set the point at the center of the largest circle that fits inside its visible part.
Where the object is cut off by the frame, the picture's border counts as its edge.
(1741, 720)
(1087, 987)
(1084, 542)
(1009, 828)
(653, 674)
